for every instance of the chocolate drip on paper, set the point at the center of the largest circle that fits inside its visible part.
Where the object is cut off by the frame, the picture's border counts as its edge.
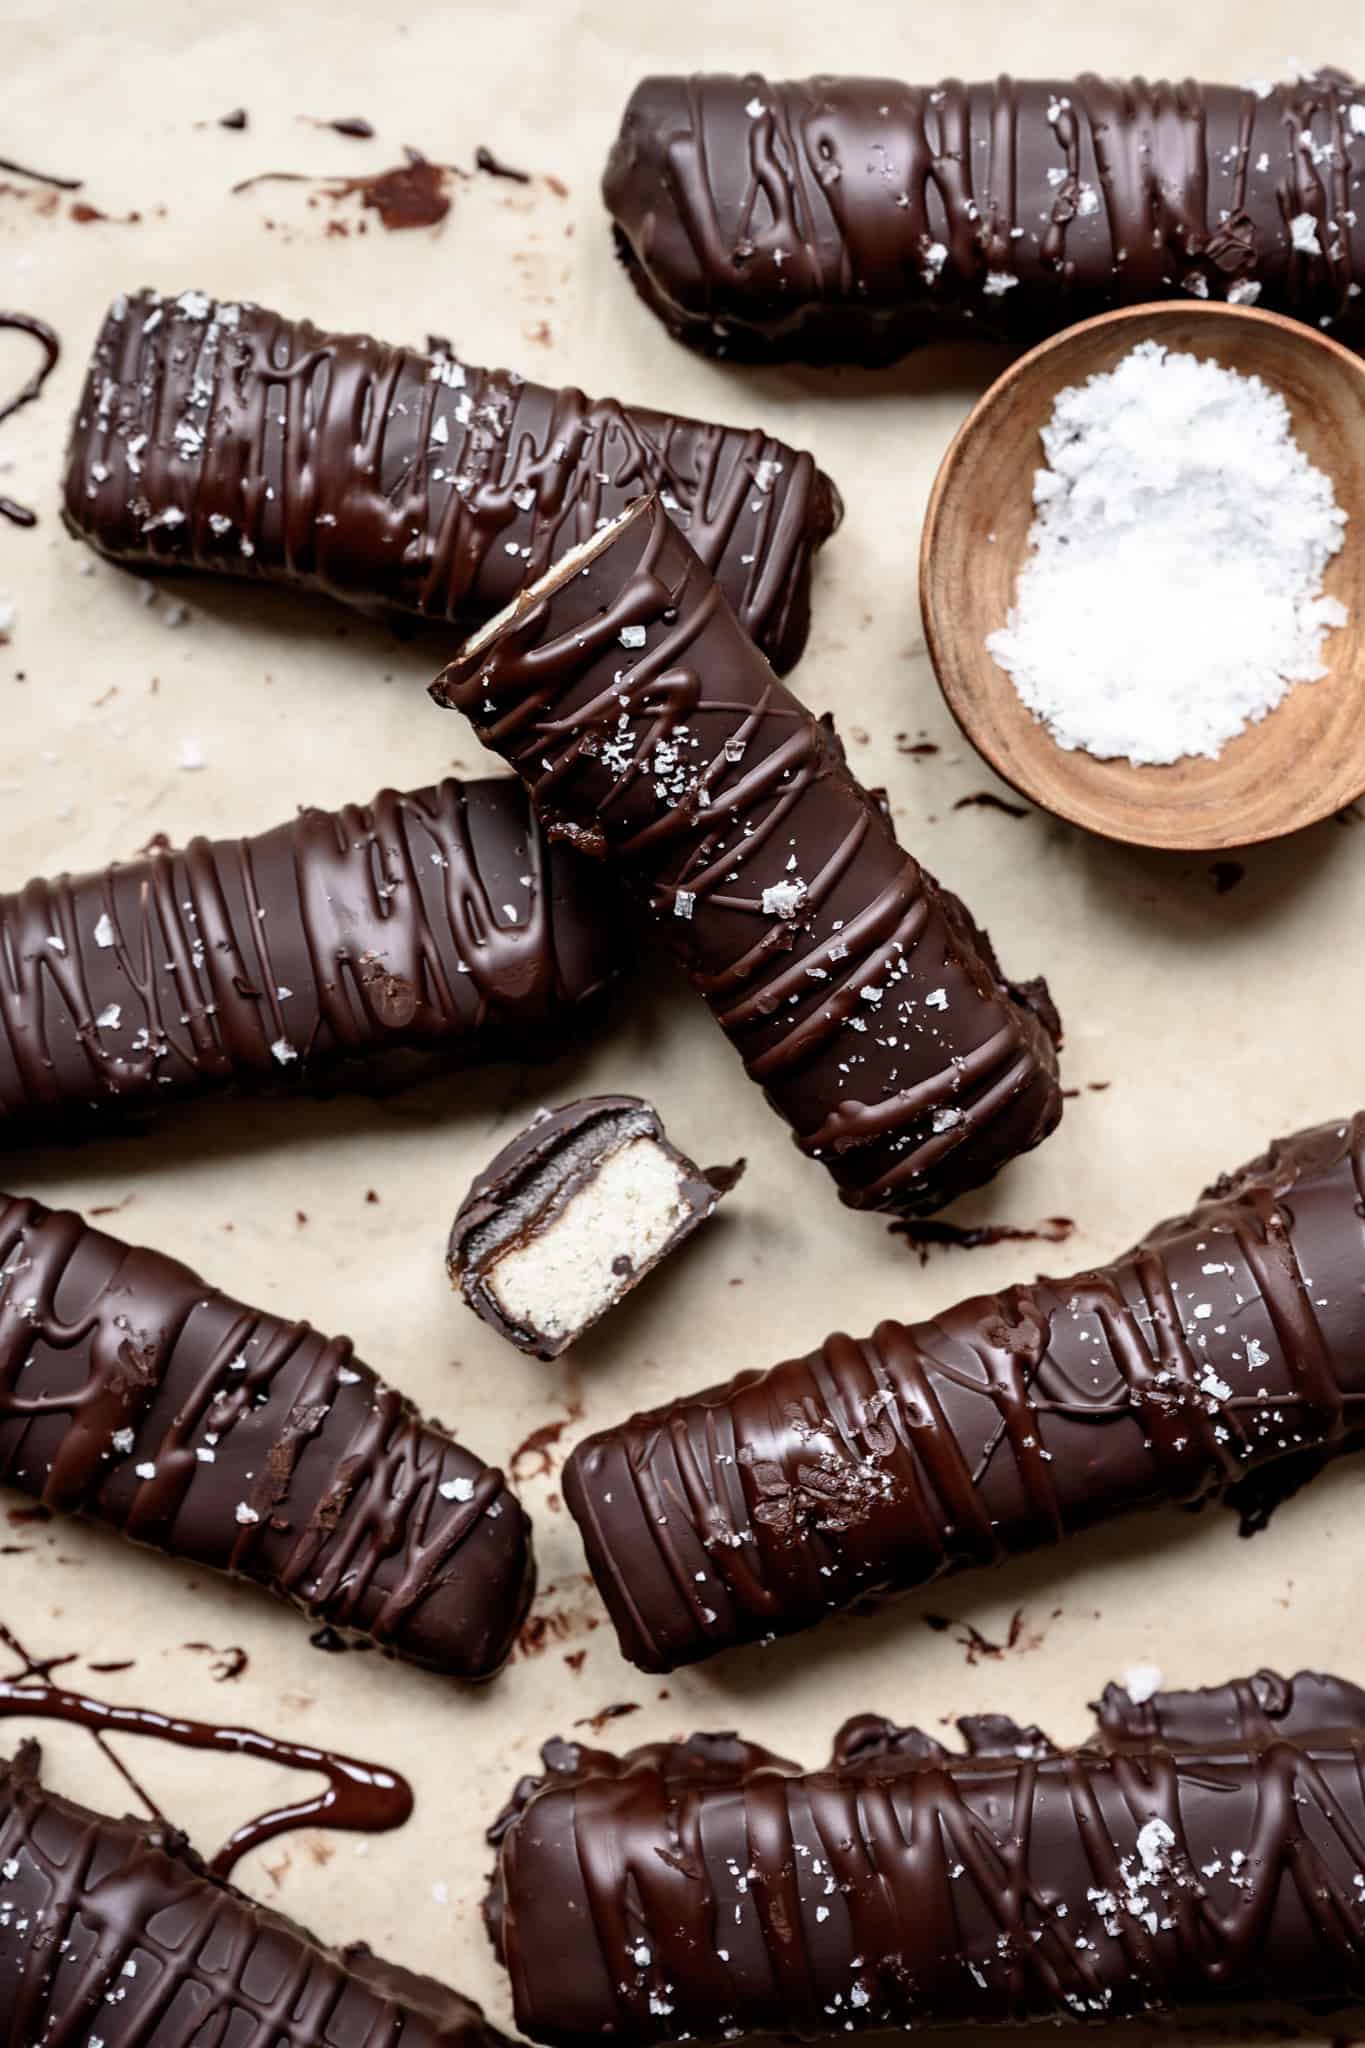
(225, 437)
(707, 1889)
(852, 219)
(134, 1393)
(1230, 1341)
(112, 1931)
(432, 923)
(860, 995)
(46, 338)
(360, 1798)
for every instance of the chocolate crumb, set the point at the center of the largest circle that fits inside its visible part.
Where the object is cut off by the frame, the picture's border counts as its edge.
(1226, 874)
(353, 125)
(484, 160)
(987, 800)
(598, 1721)
(236, 119)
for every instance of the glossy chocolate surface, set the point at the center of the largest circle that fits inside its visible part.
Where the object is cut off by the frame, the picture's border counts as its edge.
(111, 1932)
(860, 994)
(434, 922)
(133, 1392)
(851, 219)
(707, 1889)
(228, 438)
(1227, 1349)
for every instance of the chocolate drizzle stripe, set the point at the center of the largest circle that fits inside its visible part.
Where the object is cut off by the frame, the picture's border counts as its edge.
(431, 921)
(360, 1798)
(227, 438)
(700, 1889)
(1227, 1345)
(859, 993)
(46, 338)
(247, 1444)
(852, 219)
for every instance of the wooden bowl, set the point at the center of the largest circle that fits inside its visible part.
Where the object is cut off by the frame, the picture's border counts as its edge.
(1302, 762)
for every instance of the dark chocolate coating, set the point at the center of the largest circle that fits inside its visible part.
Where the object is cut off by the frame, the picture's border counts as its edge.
(111, 1932)
(700, 1890)
(593, 1120)
(862, 998)
(133, 1392)
(436, 922)
(1230, 1343)
(225, 437)
(851, 219)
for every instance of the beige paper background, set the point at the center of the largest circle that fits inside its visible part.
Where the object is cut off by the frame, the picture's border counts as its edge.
(1214, 1020)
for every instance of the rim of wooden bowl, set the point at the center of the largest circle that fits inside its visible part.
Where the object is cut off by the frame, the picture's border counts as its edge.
(954, 660)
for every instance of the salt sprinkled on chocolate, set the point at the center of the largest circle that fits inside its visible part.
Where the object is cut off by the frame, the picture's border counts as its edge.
(1170, 478)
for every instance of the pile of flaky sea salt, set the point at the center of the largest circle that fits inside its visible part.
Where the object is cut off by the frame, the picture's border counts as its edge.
(1174, 589)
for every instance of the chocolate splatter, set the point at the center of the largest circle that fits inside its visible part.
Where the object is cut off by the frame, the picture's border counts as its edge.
(46, 338)
(987, 800)
(83, 214)
(231, 1661)
(539, 1444)
(923, 1233)
(598, 1721)
(412, 195)
(40, 177)
(921, 749)
(484, 160)
(353, 125)
(360, 1797)
(1226, 874)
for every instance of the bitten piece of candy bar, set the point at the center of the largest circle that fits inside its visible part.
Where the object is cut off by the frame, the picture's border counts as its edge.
(572, 1214)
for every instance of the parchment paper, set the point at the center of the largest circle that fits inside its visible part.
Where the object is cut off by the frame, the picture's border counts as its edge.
(1198, 1023)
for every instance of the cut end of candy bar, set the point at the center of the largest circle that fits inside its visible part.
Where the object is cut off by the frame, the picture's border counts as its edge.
(572, 1214)
(564, 567)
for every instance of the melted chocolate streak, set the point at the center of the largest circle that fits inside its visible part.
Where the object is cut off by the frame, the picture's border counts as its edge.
(253, 1446)
(696, 766)
(110, 1931)
(853, 218)
(1231, 1340)
(433, 918)
(360, 1798)
(46, 338)
(706, 1889)
(227, 438)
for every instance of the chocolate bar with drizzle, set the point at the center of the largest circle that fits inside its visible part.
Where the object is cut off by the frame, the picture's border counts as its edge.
(648, 727)
(851, 219)
(1225, 1356)
(225, 437)
(381, 938)
(113, 1935)
(133, 1392)
(1206, 1850)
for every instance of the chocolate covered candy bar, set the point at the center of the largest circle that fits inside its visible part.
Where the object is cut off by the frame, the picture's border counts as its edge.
(225, 437)
(572, 1214)
(136, 1394)
(851, 219)
(112, 1933)
(1226, 1353)
(707, 1890)
(437, 922)
(648, 726)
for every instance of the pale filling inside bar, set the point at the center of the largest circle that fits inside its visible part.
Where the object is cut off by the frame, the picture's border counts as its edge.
(574, 1267)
